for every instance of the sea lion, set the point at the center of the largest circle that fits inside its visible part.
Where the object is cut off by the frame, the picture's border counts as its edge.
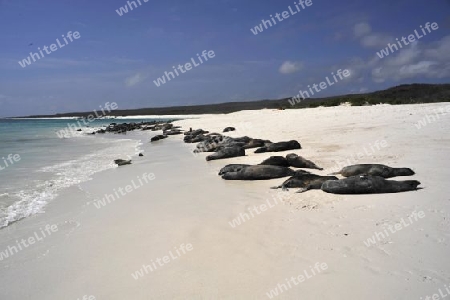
(215, 143)
(191, 136)
(122, 162)
(280, 146)
(227, 152)
(195, 132)
(259, 172)
(166, 127)
(158, 137)
(306, 181)
(229, 129)
(209, 145)
(276, 161)
(255, 143)
(242, 139)
(374, 170)
(367, 184)
(232, 168)
(199, 138)
(299, 162)
(214, 134)
(172, 132)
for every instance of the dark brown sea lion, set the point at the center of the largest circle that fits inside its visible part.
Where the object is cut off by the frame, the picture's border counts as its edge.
(255, 143)
(276, 161)
(122, 162)
(305, 181)
(299, 162)
(280, 146)
(366, 184)
(259, 172)
(227, 152)
(374, 170)
(158, 137)
(227, 129)
(232, 168)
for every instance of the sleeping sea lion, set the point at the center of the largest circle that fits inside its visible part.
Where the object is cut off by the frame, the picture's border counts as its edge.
(374, 170)
(259, 172)
(366, 184)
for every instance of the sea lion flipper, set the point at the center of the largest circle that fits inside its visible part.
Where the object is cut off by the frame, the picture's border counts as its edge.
(302, 190)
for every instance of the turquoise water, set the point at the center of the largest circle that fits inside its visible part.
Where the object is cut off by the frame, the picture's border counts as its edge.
(37, 161)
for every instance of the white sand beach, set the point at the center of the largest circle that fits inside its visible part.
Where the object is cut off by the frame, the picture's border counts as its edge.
(187, 206)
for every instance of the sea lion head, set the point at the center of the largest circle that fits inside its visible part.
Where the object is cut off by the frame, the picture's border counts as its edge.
(403, 172)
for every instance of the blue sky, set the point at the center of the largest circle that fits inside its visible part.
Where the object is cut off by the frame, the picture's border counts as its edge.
(118, 57)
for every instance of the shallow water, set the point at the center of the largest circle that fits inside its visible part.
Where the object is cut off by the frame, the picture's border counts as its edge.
(37, 160)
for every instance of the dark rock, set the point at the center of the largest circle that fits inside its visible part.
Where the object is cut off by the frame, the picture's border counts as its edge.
(125, 127)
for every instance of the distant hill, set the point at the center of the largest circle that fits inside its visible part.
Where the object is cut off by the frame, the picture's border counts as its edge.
(402, 94)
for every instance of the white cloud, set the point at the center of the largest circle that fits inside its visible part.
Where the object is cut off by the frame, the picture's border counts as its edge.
(405, 56)
(361, 29)
(376, 40)
(289, 67)
(134, 80)
(441, 50)
(420, 68)
(416, 61)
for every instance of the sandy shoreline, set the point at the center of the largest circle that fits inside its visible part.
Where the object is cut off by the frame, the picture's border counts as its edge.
(96, 251)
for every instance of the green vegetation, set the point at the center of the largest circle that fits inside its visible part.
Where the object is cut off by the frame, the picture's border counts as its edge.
(403, 94)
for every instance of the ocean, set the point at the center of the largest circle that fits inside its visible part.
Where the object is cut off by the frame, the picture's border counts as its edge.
(41, 157)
